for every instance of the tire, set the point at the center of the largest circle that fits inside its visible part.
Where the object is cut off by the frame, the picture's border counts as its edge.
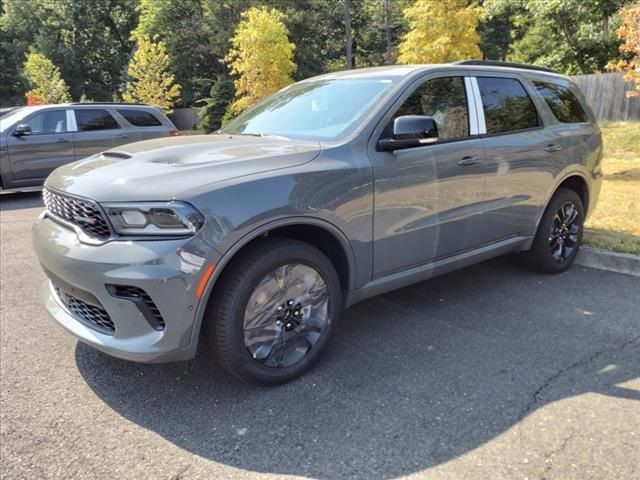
(557, 240)
(282, 290)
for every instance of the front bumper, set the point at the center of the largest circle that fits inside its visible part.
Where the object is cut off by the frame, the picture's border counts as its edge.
(169, 271)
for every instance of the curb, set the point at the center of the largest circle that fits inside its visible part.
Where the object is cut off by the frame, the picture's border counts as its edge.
(607, 260)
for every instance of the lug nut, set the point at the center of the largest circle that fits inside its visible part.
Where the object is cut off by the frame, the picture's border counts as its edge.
(279, 323)
(290, 302)
(297, 312)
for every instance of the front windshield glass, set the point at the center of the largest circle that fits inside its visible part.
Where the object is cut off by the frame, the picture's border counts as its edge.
(11, 118)
(322, 109)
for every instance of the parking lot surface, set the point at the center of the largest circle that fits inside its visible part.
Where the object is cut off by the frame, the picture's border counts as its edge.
(492, 372)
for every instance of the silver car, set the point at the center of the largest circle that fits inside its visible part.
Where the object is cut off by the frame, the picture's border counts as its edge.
(34, 141)
(335, 189)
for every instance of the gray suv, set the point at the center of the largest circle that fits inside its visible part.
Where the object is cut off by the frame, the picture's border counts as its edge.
(335, 189)
(36, 140)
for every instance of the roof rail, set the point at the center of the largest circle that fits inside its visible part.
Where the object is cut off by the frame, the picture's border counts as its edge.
(498, 63)
(109, 103)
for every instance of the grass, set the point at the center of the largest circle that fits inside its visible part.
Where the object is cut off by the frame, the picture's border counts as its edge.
(615, 223)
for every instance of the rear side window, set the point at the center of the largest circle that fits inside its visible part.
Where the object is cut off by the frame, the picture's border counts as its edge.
(140, 118)
(562, 102)
(507, 106)
(91, 119)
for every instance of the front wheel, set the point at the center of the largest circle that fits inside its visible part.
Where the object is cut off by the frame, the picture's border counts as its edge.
(274, 311)
(559, 234)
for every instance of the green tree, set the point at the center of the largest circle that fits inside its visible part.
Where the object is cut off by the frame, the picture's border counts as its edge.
(571, 36)
(440, 32)
(89, 45)
(150, 81)
(261, 57)
(48, 85)
(215, 107)
(182, 26)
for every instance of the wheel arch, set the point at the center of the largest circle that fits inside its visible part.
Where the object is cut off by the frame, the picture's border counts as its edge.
(575, 181)
(323, 235)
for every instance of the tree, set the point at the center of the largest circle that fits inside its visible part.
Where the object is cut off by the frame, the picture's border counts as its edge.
(440, 32)
(44, 76)
(629, 33)
(261, 56)
(570, 36)
(150, 81)
(348, 39)
(216, 104)
(89, 45)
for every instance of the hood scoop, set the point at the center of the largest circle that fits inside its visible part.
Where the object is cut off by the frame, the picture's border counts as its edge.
(115, 155)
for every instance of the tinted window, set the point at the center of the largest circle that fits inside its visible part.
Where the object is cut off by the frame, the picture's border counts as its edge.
(89, 119)
(52, 121)
(140, 118)
(445, 101)
(507, 106)
(562, 102)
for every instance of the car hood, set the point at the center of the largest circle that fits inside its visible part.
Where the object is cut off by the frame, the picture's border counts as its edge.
(175, 167)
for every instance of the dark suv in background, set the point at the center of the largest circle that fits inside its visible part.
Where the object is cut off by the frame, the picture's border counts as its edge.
(34, 141)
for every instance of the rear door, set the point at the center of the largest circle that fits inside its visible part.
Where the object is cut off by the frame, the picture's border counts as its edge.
(33, 157)
(97, 131)
(518, 165)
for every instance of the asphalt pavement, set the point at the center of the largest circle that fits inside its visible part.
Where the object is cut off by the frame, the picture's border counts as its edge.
(492, 372)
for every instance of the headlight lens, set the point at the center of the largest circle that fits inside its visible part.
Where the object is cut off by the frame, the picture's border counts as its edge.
(154, 218)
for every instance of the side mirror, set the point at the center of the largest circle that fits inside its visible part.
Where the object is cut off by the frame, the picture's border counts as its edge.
(22, 130)
(410, 131)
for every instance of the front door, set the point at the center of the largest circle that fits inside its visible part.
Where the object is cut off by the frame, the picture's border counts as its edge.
(33, 157)
(428, 198)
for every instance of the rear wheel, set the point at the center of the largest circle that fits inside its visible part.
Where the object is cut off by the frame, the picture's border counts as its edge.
(559, 234)
(274, 311)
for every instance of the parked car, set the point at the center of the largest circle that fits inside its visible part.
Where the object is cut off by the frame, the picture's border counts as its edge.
(333, 190)
(7, 110)
(36, 140)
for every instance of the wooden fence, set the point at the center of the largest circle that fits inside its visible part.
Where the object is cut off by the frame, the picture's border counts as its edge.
(606, 93)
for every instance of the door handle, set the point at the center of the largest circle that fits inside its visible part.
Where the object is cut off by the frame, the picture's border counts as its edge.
(553, 148)
(62, 140)
(123, 136)
(466, 161)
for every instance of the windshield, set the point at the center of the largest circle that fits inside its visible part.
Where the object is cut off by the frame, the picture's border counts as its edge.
(11, 118)
(322, 109)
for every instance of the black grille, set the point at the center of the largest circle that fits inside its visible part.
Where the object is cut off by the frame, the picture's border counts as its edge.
(83, 213)
(91, 315)
(116, 154)
(142, 300)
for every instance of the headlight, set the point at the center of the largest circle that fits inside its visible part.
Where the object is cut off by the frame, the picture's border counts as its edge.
(154, 218)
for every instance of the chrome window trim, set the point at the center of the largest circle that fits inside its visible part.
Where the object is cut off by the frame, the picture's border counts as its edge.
(471, 107)
(482, 126)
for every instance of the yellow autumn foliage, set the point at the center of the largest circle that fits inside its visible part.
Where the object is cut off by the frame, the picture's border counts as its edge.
(261, 56)
(150, 79)
(440, 32)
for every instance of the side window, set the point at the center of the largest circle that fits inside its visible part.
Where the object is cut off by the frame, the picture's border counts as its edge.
(90, 119)
(445, 101)
(140, 118)
(507, 106)
(562, 102)
(49, 122)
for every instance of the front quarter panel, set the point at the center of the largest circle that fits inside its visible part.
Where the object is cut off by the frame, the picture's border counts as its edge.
(333, 191)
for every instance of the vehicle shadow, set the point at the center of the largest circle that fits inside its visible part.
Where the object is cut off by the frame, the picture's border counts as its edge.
(413, 378)
(20, 200)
